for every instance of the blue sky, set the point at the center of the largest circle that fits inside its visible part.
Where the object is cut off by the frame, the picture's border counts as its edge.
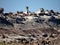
(34, 5)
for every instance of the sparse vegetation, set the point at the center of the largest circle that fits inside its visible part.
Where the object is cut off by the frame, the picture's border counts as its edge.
(40, 28)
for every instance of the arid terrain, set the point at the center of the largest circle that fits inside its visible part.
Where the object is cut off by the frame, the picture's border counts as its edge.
(30, 28)
(29, 37)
